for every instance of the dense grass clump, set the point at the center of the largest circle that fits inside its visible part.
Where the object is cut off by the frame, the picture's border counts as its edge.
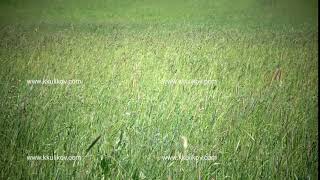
(237, 81)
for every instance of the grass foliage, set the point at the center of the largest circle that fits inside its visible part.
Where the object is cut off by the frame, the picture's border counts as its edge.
(259, 119)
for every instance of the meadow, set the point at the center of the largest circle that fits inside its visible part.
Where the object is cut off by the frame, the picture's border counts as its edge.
(143, 96)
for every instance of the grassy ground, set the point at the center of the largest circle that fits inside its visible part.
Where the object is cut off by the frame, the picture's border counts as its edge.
(258, 118)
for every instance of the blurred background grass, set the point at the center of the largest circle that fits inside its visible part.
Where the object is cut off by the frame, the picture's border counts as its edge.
(221, 12)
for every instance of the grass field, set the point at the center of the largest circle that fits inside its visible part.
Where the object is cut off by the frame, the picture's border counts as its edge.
(236, 81)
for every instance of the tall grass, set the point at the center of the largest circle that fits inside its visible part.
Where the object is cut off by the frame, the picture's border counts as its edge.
(123, 119)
